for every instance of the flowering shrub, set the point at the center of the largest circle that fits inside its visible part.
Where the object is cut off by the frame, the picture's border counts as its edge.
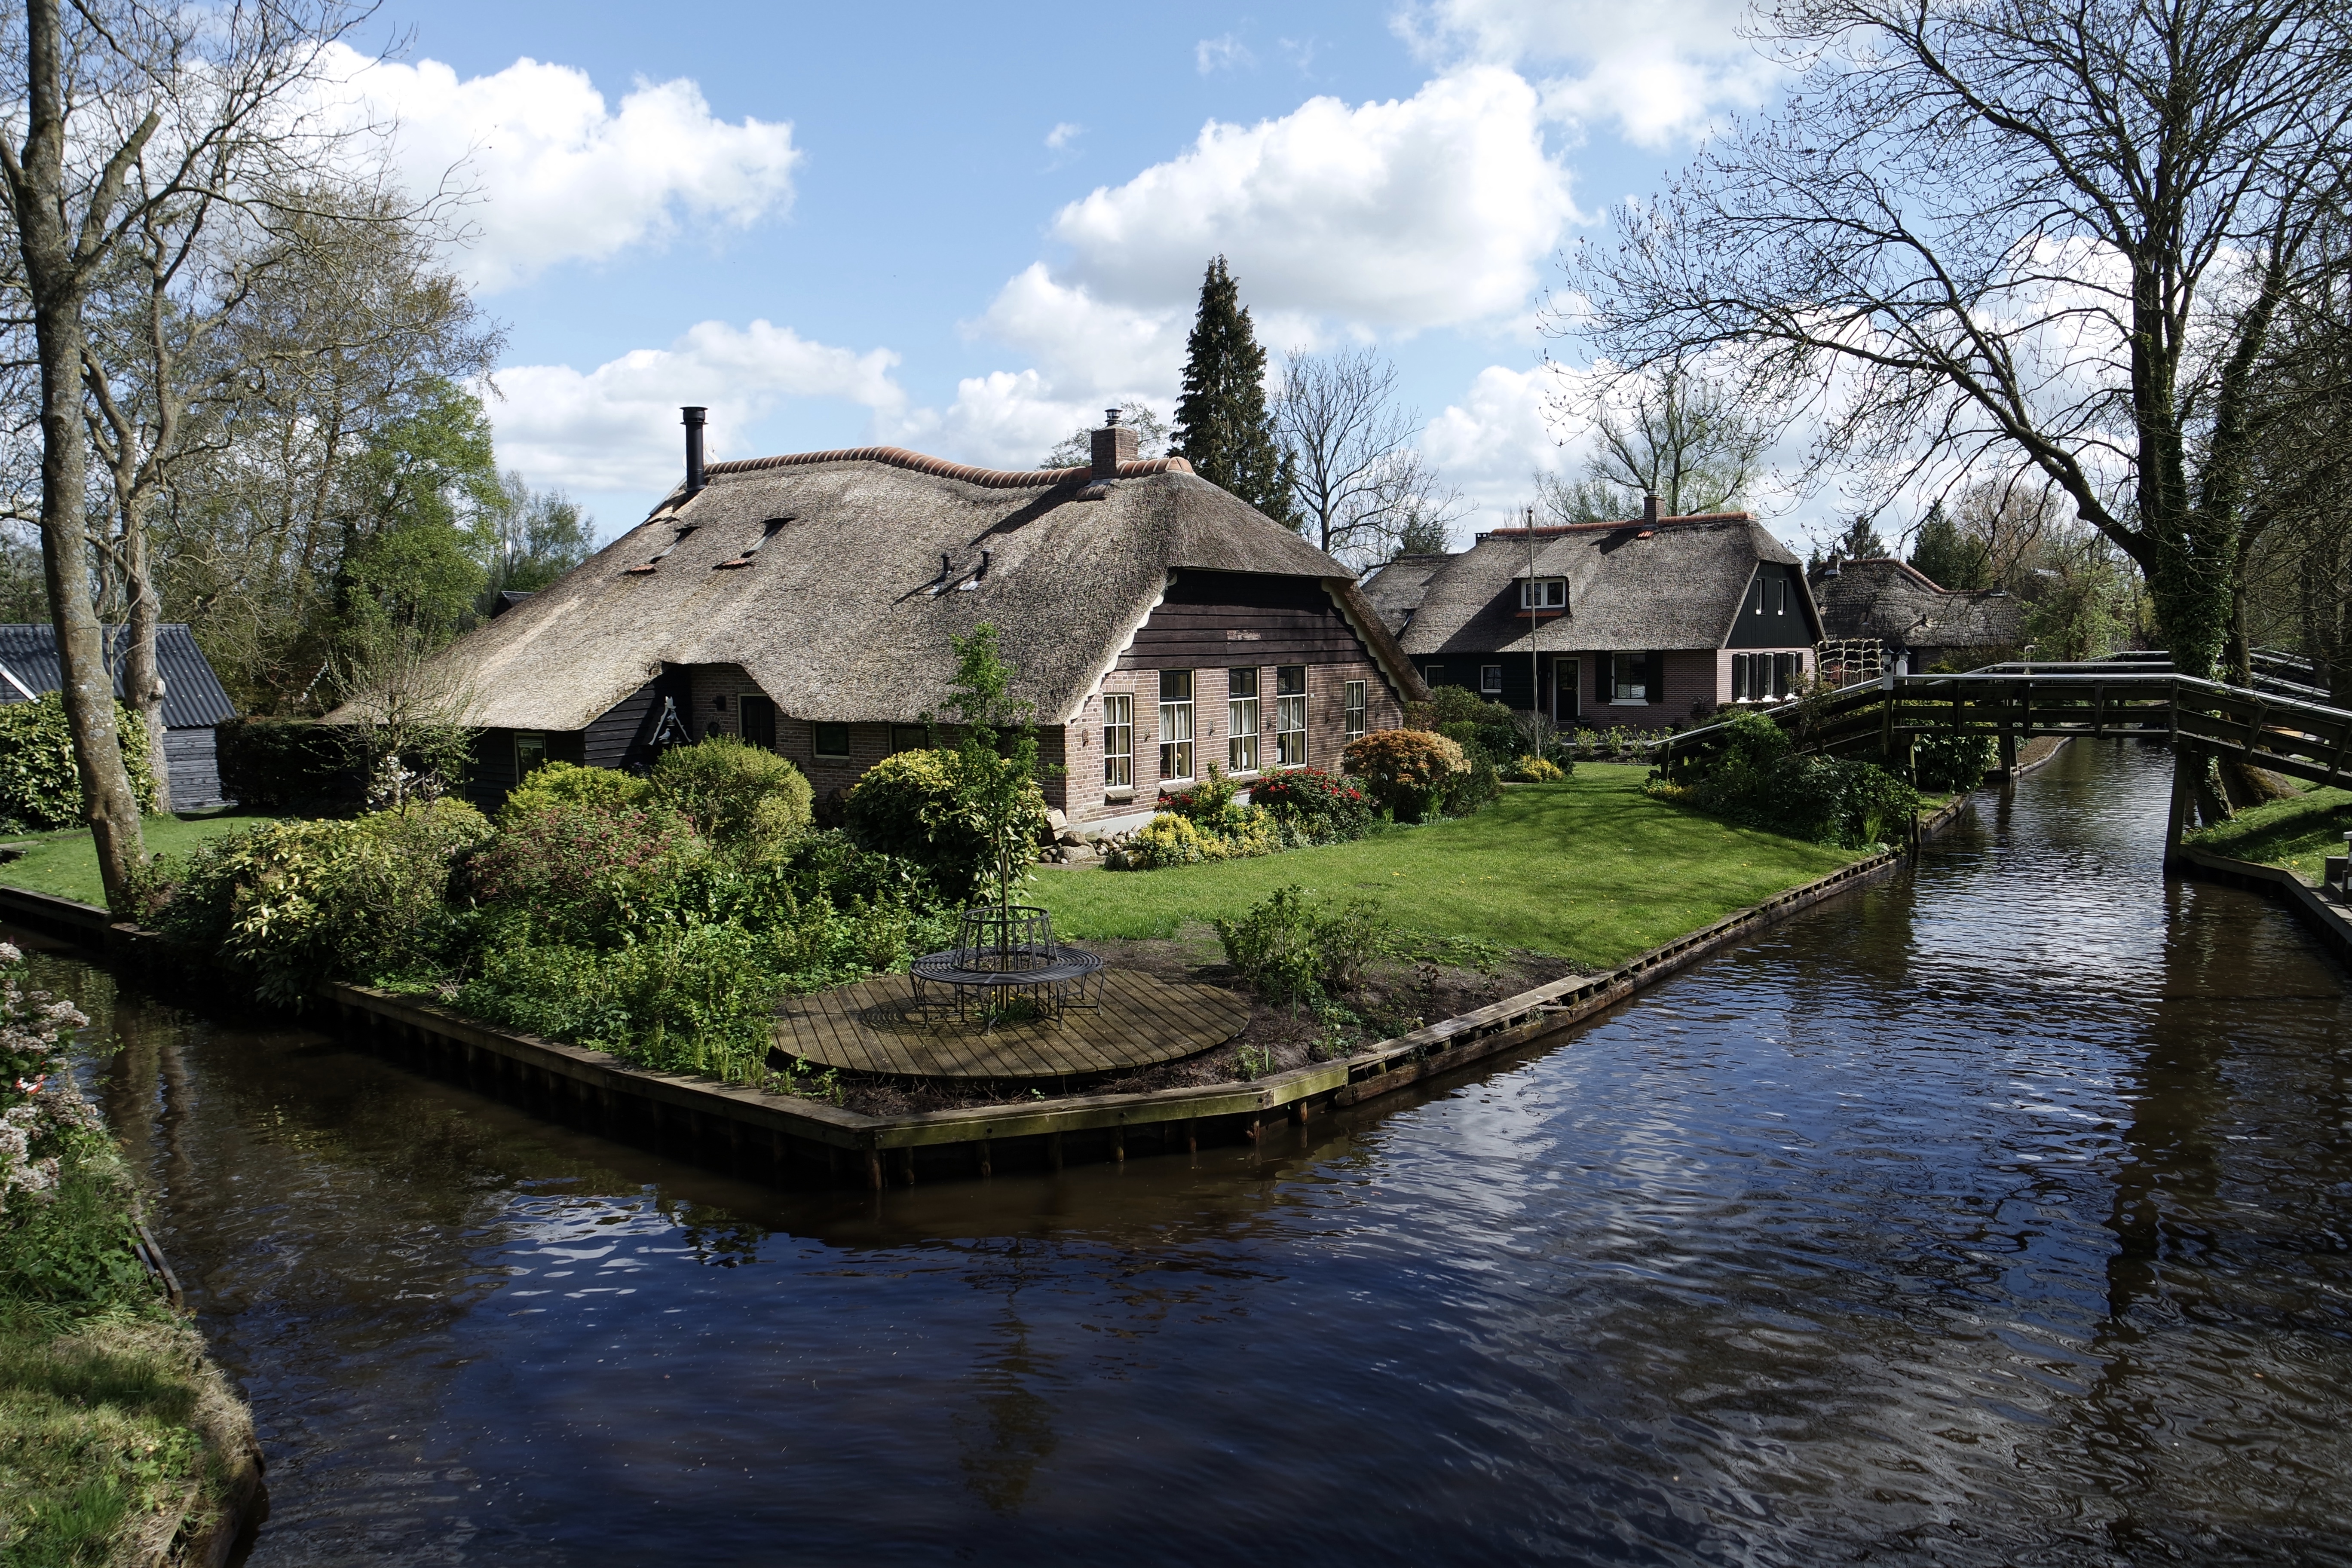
(577, 871)
(42, 1112)
(1168, 839)
(1327, 809)
(298, 902)
(1537, 769)
(1407, 771)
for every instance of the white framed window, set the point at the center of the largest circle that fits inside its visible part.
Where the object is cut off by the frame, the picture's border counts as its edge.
(1118, 740)
(1241, 721)
(1175, 724)
(531, 752)
(1351, 710)
(1490, 679)
(1629, 679)
(1290, 716)
(1543, 593)
(1780, 595)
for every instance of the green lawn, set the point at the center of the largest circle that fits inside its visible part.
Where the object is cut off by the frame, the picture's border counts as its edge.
(2296, 834)
(1590, 870)
(66, 864)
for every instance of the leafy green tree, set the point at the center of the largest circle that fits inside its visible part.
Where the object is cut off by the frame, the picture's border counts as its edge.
(1223, 427)
(1946, 554)
(418, 500)
(997, 795)
(532, 537)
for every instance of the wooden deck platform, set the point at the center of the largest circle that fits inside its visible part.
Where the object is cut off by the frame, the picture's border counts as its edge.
(863, 1028)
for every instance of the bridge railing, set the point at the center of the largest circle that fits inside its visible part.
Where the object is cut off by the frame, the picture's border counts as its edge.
(2287, 734)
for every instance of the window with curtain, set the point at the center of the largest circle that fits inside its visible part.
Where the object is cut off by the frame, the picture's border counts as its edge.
(1175, 724)
(1118, 740)
(1241, 721)
(1629, 677)
(530, 751)
(1352, 711)
(1290, 716)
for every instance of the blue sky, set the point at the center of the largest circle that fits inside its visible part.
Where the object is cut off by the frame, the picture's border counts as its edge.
(964, 229)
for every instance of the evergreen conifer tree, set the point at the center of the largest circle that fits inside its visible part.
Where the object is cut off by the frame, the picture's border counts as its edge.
(1223, 427)
(1949, 556)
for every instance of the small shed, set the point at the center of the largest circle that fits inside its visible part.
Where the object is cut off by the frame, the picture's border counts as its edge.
(194, 699)
(1915, 619)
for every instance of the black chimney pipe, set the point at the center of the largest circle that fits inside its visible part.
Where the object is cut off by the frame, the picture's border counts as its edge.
(694, 480)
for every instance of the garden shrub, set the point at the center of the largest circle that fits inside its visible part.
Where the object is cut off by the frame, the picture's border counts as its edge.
(1469, 720)
(744, 799)
(294, 903)
(578, 871)
(1297, 947)
(1538, 769)
(1757, 778)
(909, 805)
(1953, 761)
(1326, 809)
(39, 786)
(1168, 839)
(287, 764)
(1475, 788)
(1406, 770)
(1209, 805)
(567, 784)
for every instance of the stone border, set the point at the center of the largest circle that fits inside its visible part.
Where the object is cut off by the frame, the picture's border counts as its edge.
(2326, 917)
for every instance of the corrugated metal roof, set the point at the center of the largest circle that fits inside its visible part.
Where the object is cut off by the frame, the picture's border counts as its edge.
(192, 695)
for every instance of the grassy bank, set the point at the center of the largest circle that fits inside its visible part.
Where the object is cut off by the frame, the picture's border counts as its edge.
(65, 863)
(2296, 834)
(1590, 870)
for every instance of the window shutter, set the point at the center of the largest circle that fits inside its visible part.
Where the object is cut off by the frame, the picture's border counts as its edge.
(1654, 678)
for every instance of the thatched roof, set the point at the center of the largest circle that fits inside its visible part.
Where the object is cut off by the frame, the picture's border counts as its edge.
(1678, 583)
(1901, 605)
(194, 698)
(1395, 589)
(842, 611)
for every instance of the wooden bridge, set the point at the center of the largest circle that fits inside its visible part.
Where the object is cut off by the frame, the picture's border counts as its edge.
(2273, 727)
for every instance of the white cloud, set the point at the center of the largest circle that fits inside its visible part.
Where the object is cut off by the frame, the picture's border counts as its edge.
(1225, 52)
(615, 428)
(1436, 210)
(1063, 135)
(560, 174)
(1659, 69)
(1495, 439)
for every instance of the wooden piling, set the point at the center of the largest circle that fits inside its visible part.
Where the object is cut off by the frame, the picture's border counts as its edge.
(2185, 764)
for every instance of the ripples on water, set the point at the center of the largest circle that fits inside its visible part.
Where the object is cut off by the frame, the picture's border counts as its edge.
(1993, 1215)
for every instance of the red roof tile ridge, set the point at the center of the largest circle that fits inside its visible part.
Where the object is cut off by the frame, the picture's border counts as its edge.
(990, 478)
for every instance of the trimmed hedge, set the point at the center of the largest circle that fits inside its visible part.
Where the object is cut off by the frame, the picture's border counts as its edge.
(297, 765)
(39, 786)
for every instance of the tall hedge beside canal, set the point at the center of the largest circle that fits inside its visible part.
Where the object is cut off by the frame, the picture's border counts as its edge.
(117, 1437)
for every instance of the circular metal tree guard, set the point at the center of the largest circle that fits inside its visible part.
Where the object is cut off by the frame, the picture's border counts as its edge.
(1006, 966)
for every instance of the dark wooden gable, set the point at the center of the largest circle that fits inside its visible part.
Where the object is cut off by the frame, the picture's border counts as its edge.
(1211, 618)
(1772, 612)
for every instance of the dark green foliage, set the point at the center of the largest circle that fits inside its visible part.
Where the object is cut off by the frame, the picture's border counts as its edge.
(39, 786)
(1297, 947)
(414, 560)
(1470, 722)
(1952, 761)
(1757, 778)
(1222, 426)
(905, 806)
(288, 765)
(1475, 788)
(1860, 541)
(581, 873)
(1326, 809)
(1948, 555)
(744, 799)
(1212, 803)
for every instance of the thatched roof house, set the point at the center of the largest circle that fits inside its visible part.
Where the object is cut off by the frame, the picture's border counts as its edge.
(1648, 623)
(810, 602)
(1903, 610)
(194, 701)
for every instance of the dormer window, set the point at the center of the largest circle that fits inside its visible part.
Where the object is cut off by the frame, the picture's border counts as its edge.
(654, 560)
(1543, 593)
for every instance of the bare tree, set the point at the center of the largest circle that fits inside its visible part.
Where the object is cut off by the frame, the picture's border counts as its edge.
(1362, 486)
(2053, 233)
(1675, 433)
(126, 117)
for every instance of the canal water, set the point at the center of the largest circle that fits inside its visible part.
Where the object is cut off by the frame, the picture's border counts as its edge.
(1997, 1215)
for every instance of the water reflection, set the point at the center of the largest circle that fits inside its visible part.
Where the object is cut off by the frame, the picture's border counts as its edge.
(1993, 1215)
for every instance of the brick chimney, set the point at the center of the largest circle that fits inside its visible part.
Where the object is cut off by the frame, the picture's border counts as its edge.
(1113, 444)
(1650, 509)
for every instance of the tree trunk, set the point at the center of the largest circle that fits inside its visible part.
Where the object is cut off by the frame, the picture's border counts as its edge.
(142, 670)
(57, 282)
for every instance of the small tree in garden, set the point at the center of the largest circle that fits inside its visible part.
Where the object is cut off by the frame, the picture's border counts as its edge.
(997, 796)
(1406, 770)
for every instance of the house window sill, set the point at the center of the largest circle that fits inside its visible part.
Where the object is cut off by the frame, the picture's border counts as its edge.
(1630, 702)
(1122, 792)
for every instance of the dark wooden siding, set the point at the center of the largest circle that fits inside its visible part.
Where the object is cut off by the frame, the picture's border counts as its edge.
(1210, 619)
(623, 735)
(192, 759)
(1771, 620)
